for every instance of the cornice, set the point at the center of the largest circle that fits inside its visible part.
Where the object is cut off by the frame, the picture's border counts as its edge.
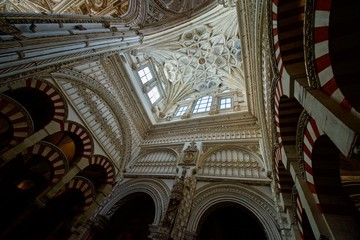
(239, 119)
(247, 181)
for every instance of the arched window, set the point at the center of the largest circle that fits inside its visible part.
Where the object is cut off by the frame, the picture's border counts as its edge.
(181, 110)
(203, 104)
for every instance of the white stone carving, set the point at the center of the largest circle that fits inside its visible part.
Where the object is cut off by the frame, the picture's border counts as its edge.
(155, 188)
(160, 162)
(233, 163)
(256, 202)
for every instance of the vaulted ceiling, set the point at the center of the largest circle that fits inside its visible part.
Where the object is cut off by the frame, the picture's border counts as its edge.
(193, 46)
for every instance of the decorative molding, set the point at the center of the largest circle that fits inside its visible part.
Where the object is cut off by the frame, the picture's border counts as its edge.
(87, 82)
(119, 80)
(253, 200)
(71, 59)
(17, 17)
(205, 133)
(301, 127)
(154, 162)
(309, 49)
(155, 188)
(231, 161)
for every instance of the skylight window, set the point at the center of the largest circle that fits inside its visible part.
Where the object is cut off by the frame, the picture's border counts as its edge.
(153, 95)
(181, 110)
(145, 75)
(203, 104)
(225, 103)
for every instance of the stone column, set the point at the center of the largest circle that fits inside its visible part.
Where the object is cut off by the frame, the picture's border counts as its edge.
(174, 223)
(179, 230)
(92, 227)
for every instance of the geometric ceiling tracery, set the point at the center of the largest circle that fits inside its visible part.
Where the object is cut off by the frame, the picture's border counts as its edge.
(192, 61)
(197, 60)
(204, 60)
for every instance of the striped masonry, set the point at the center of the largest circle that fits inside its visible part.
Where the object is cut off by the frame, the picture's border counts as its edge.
(280, 64)
(278, 93)
(83, 135)
(84, 186)
(311, 133)
(299, 212)
(59, 103)
(277, 161)
(54, 155)
(106, 164)
(323, 65)
(20, 119)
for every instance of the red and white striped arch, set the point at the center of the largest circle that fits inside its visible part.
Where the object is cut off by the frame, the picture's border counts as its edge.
(323, 65)
(277, 162)
(278, 93)
(83, 134)
(84, 186)
(299, 212)
(54, 155)
(280, 64)
(20, 119)
(311, 133)
(58, 101)
(107, 165)
(283, 179)
(280, 152)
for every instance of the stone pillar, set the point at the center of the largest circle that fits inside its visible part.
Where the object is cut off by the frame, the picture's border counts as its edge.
(168, 223)
(179, 230)
(190, 236)
(157, 233)
(67, 178)
(174, 223)
(88, 230)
